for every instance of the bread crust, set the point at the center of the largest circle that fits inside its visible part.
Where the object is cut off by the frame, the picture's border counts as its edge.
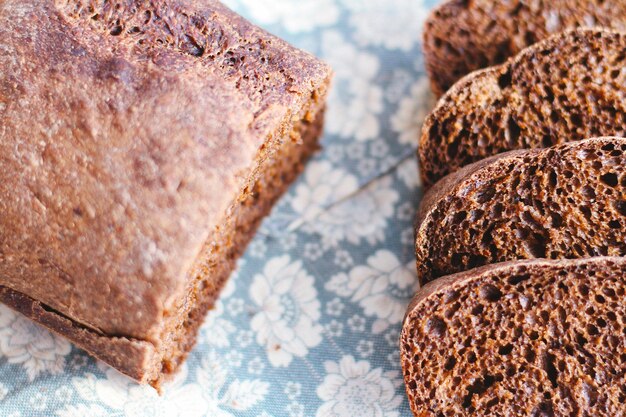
(129, 135)
(132, 357)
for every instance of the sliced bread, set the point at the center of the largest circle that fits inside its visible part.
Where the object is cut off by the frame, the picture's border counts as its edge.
(567, 201)
(461, 36)
(524, 338)
(566, 88)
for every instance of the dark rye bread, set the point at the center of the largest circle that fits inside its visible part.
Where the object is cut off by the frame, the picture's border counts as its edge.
(142, 143)
(568, 201)
(462, 36)
(568, 87)
(526, 338)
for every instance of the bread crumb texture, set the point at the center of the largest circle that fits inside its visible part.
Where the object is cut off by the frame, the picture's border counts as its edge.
(462, 36)
(530, 338)
(568, 201)
(569, 87)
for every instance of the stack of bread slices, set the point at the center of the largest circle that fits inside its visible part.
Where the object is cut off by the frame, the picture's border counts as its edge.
(521, 236)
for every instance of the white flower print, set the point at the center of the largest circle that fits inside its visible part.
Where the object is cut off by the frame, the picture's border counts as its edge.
(286, 323)
(38, 402)
(406, 211)
(367, 167)
(363, 217)
(216, 330)
(257, 248)
(293, 390)
(394, 358)
(378, 24)
(379, 149)
(323, 185)
(408, 173)
(3, 391)
(356, 150)
(334, 328)
(352, 388)
(234, 358)
(63, 394)
(294, 16)
(365, 348)
(392, 338)
(356, 323)
(313, 251)
(129, 399)
(35, 348)
(256, 366)
(223, 393)
(343, 259)
(78, 361)
(400, 82)
(245, 338)
(288, 241)
(335, 153)
(382, 288)
(407, 236)
(412, 111)
(295, 409)
(335, 307)
(389, 163)
(235, 306)
(82, 410)
(355, 101)
(355, 115)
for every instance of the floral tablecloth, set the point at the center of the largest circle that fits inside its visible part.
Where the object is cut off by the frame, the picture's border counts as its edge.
(309, 324)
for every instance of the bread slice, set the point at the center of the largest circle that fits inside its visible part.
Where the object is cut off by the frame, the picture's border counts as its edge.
(569, 87)
(461, 36)
(568, 201)
(524, 338)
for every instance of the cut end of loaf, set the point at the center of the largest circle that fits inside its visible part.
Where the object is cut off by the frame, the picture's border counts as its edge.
(526, 338)
(218, 258)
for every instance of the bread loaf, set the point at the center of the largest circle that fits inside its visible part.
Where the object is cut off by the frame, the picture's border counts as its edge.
(142, 143)
(569, 87)
(524, 338)
(462, 36)
(568, 201)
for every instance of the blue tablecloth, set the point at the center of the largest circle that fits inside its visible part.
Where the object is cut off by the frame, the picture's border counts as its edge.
(309, 324)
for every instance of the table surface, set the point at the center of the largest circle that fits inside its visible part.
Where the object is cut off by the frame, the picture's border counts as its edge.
(309, 324)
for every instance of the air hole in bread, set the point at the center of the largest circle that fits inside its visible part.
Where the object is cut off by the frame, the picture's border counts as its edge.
(504, 80)
(610, 179)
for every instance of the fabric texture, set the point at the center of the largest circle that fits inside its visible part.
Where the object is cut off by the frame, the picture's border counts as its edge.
(309, 324)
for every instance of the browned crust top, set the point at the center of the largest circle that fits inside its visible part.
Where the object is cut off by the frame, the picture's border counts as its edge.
(122, 147)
